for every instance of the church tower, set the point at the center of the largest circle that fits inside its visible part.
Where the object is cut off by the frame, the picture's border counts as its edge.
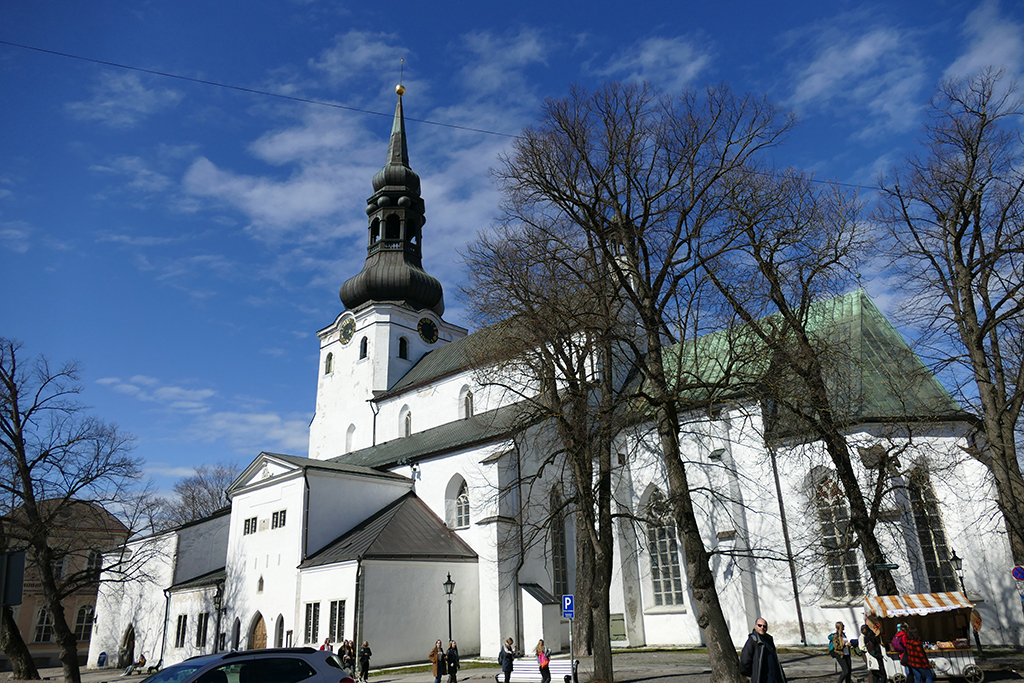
(393, 310)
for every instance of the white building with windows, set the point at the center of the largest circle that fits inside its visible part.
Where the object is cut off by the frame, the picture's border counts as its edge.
(414, 477)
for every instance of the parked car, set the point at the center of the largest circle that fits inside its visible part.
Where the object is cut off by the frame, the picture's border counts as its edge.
(280, 665)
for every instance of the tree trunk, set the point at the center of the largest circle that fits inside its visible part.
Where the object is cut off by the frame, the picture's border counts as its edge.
(67, 642)
(11, 642)
(582, 632)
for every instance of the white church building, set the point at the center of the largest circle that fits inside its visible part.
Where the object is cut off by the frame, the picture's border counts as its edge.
(412, 481)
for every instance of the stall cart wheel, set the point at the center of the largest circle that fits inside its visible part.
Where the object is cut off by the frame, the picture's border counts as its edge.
(973, 674)
(899, 678)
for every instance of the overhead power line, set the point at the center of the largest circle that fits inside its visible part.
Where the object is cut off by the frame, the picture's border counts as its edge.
(254, 91)
(305, 100)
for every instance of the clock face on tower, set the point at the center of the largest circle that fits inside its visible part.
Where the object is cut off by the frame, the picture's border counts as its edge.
(427, 330)
(348, 329)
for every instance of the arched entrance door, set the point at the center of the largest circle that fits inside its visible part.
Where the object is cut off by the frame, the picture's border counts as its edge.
(279, 632)
(258, 633)
(126, 654)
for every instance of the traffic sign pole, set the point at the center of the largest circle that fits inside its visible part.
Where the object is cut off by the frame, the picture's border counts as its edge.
(569, 612)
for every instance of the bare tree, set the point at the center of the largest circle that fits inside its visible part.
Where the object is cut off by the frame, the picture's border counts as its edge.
(955, 215)
(561, 324)
(196, 496)
(58, 460)
(640, 174)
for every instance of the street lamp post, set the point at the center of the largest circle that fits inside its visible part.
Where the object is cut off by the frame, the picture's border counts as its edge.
(449, 588)
(957, 563)
(218, 606)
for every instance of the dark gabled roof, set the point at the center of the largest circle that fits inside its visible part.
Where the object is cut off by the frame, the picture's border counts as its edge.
(540, 594)
(486, 427)
(405, 530)
(203, 580)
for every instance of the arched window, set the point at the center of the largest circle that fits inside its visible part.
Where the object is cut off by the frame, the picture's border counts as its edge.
(259, 585)
(465, 403)
(329, 364)
(559, 565)
(403, 348)
(44, 626)
(931, 534)
(83, 623)
(350, 434)
(375, 231)
(836, 538)
(407, 424)
(363, 344)
(94, 562)
(462, 507)
(666, 575)
(393, 227)
(279, 632)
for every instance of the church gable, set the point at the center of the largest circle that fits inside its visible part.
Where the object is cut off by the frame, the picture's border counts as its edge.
(265, 467)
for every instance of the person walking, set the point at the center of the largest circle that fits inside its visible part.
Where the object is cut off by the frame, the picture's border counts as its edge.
(437, 658)
(839, 646)
(543, 660)
(917, 660)
(453, 661)
(348, 659)
(899, 645)
(506, 657)
(364, 661)
(759, 660)
(873, 660)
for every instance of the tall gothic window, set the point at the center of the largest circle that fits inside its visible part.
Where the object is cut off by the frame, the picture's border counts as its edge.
(559, 564)
(329, 364)
(931, 534)
(840, 558)
(462, 507)
(663, 548)
(467, 404)
(363, 348)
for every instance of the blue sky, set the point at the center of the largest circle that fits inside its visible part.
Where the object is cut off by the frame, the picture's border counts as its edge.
(185, 241)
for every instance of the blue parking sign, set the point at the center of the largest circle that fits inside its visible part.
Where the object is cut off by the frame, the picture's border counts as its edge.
(568, 608)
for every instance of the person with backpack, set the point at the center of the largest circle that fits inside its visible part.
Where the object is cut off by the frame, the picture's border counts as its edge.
(900, 647)
(506, 656)
(760, 660)
(543, 660)
(839, 648)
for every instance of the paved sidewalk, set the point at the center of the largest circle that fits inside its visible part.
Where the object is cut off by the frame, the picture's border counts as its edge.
(656, 666)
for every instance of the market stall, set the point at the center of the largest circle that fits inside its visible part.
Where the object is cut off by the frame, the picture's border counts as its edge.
(944, 622)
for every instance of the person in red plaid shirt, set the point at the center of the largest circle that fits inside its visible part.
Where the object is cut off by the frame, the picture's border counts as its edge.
(917, 660)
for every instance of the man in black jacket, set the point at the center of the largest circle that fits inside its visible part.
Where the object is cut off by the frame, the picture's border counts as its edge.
(759, 660)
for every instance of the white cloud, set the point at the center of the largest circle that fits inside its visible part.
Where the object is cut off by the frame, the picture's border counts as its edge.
(16, 236)
(248, 432)
(120, 100)
(356, 52)
(496, 64)
(175, 399)
(141, 178)
(993, 40)
(877, 71)
(672, 63)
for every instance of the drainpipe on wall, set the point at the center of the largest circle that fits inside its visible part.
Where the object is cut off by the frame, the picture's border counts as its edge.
(305, 515)
(522, 552)
(167, 615)
(789, 547)
(358, 612)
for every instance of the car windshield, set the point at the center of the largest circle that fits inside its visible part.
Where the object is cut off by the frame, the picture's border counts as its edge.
(173, 674)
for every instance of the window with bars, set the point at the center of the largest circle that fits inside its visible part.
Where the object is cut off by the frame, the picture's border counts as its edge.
(44, 626)
(931, 533)
(312, 634)
(559, 565)
(83, 623)
(181, 630)
(666, 574)
(840, 558)
(336, 629)
(249, 526)
(202, 623)
(277, 519)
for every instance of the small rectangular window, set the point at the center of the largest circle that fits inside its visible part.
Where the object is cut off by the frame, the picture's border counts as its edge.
(179, 633)
(312, 622)
(201, 626)
(250, 526)
(277, 519)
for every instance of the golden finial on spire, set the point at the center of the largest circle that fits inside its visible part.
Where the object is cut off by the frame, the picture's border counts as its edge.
(400, 89)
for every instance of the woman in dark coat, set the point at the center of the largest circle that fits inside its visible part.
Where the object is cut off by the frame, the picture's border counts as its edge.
(453, 661)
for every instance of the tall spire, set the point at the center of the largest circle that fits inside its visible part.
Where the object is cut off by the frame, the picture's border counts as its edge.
(393, 271)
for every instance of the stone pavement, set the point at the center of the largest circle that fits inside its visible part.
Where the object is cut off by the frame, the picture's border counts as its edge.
(655, 666)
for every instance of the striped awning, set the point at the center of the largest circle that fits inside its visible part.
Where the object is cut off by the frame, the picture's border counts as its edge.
(922, 603)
